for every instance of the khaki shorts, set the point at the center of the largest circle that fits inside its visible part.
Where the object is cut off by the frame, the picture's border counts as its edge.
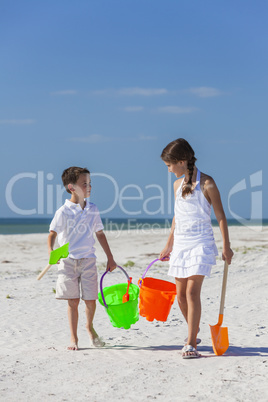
(75, 274)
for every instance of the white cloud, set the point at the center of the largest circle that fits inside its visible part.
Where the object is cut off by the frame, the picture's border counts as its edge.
(134, 91)
(142, 91)
(18, 122)
(98, 138)
(91, 139)
(65, 92)
(147, 138)
(101, 92)
(133, 108)
(176, 109)
(205, 92)
(229, 142)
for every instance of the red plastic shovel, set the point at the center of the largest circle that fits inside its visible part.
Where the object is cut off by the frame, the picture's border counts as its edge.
(126, 296)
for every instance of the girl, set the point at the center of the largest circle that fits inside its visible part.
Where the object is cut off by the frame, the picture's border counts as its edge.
(191, 239)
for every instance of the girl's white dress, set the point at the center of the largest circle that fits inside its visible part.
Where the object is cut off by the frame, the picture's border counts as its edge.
(194, 249)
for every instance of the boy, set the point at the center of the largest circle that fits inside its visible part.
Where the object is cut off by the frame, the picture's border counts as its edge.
(75, 222)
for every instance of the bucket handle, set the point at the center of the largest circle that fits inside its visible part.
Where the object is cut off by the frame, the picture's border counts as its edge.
(145, 272)
(101, 289)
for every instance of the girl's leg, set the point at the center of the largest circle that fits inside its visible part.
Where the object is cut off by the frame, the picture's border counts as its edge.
(193, 292)
(90, 312)
(73, 322)
(181, 285)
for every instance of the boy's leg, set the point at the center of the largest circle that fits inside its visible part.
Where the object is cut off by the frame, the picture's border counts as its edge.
(73, 322)
(67, 288)
(89, 287)
(90, 312)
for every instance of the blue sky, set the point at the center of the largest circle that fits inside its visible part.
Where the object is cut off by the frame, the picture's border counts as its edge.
(108, 84)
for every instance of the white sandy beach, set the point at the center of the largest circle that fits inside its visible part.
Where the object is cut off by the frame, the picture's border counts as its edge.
(144, 362)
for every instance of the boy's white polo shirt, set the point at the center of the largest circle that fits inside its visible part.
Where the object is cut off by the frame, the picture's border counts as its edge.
(77, 226)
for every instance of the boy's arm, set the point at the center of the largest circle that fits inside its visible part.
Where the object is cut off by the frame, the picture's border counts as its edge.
(111, 264)
(51, 240)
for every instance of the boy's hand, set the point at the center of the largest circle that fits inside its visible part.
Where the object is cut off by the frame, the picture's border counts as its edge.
(111, 264)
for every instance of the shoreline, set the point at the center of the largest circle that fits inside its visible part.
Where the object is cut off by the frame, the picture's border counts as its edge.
(35, 225)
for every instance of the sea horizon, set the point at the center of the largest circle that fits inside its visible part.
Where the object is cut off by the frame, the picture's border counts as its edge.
(10, 226)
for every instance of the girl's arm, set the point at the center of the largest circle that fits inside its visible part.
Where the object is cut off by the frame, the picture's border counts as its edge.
(214, 197)
(165, 253)
(111, 264)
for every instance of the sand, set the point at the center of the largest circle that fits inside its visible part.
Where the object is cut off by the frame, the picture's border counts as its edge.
(144, 362)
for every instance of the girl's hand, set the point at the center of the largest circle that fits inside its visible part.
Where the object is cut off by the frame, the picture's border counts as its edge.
(165, 253)
(227, 254)
(111, 264)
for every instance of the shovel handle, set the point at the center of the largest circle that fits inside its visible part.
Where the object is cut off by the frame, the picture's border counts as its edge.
(43, 272)
(223, 289)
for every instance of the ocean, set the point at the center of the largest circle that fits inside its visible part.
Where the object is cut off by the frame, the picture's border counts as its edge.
(10, 226)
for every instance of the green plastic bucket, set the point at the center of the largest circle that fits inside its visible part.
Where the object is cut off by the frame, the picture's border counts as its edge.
(121, 315)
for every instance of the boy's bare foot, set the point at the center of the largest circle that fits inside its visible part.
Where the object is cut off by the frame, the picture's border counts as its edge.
(73, 346)
(96, 341)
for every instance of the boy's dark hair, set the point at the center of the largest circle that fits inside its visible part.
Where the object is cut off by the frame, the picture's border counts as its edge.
(71, 175)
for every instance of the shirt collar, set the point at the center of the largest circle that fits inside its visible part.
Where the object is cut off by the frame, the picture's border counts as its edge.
(88, 204)
(77, 207)
(72, 205)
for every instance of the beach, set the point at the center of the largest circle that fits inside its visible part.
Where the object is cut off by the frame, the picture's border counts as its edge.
(144, 362)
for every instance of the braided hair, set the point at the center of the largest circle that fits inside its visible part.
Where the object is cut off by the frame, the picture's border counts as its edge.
(181, 150)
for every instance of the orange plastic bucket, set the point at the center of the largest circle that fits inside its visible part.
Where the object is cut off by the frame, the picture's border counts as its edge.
(156, 297)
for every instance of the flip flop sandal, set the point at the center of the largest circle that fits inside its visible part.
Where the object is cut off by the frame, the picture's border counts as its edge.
(190, 349)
